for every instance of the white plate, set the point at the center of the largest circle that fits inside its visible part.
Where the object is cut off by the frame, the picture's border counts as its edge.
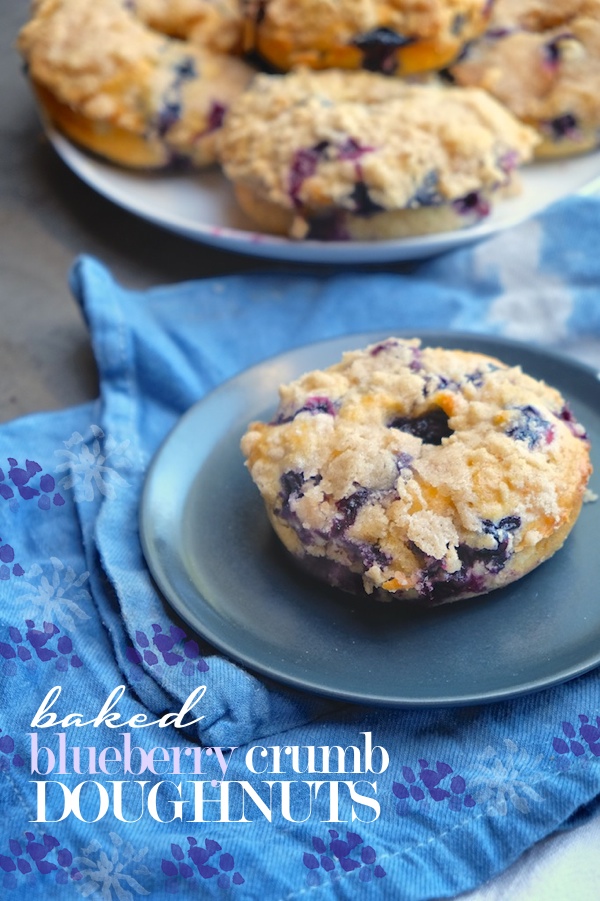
(202, 206)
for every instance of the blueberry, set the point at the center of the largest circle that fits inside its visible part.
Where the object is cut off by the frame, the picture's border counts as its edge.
(216, 116)
(186, 69)
(458, 24)
(312, 405)
(427, 194)
(304, 165)
(167, 117)
(495, 34)
(385, 345)
(367, 555)
(351, 149)
(431, 427)
(348, 508)
(566, 416)
(404, 461)
(435, 383)
(291, 483)
(563, 126)
(531, 427)
(362, 203)
(472, 204)
(462, 583)
(379, 47)
(553, 51)
(416, 364)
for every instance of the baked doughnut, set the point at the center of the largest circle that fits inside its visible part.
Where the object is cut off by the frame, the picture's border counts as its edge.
(216, 24)
(334, 155)
(118, 88)
(420, 474)
(541, 58)
(394, 37)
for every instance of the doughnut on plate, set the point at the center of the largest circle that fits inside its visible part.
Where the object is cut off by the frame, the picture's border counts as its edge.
(201, 206)
(213, 554)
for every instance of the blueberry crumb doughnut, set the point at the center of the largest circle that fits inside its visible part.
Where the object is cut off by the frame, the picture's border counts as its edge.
(337, 155)
(124, 91)
(541, 58)
(393, 37)
(420, 474)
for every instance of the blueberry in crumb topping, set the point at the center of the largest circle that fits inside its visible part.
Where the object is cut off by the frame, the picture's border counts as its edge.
(531, 427)
(169, 114)
(458, 23)
(564, 126)
(348, 508)
(473, 204)
(170, 111)
(553, 50)
(351, 149)
(362, 203)
(216, 115)
(367, 555)
(379, 48)
(304, 165)
(566, 415)
(437, 585)
(427, 194)
(385, 345)
(311, 405)
(435, 383)
(431, 427)
(306, 160)
(291, 484)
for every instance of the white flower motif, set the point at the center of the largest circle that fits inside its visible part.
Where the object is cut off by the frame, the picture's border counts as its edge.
(87, 465)
(505, 779)
(534, 303)
(56, 596)
(104, 872)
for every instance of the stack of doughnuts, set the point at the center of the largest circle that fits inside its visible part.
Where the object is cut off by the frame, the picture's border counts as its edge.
(359, 134)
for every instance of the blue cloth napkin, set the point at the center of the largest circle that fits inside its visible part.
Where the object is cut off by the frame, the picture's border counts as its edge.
(464, 792)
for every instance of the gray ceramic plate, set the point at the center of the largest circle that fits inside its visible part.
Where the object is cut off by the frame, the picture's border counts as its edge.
(210, 549)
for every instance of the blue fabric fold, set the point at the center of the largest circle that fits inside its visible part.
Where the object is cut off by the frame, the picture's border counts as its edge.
(466, 792)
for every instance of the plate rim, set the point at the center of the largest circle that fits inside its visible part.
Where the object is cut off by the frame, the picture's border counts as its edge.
(171, 596)
(263, 244)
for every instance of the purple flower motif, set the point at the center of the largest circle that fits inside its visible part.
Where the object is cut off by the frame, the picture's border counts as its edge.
(23, 479)
(208, 864)
(588, 733)
(341, 854)
(44, 856)
(8, 566)
(453, 790)
(40, 643)
(174, 647)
